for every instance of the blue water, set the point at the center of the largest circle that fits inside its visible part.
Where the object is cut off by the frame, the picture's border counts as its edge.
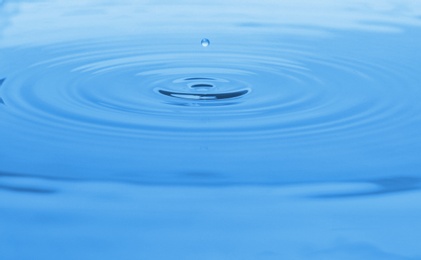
(210, 130)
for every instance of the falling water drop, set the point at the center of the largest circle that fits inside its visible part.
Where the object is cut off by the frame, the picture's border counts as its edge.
(205, 42)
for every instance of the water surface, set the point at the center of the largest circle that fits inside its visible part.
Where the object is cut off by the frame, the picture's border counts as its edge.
(292, 133)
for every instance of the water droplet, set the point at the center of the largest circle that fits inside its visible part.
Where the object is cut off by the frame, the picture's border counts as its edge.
(205, 42)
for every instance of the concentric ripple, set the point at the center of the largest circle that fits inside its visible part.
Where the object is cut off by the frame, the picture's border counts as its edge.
(280, 100)
(288, 94)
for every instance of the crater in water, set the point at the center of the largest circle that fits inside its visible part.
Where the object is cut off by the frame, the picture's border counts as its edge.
(202, 86)
(202, 89)
(199, 96)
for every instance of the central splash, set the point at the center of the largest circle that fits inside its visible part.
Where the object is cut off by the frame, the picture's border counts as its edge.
(203, 88)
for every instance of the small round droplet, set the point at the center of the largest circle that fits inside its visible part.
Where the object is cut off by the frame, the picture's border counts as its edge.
(205, 42)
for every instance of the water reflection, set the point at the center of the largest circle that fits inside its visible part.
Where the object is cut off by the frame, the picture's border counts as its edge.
(358, 250)
(286, 17)
(242, 222)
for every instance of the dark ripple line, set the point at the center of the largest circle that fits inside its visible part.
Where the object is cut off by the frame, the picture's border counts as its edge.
(27, 189)
(384, 186)
(13, 188)
(1, 83)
